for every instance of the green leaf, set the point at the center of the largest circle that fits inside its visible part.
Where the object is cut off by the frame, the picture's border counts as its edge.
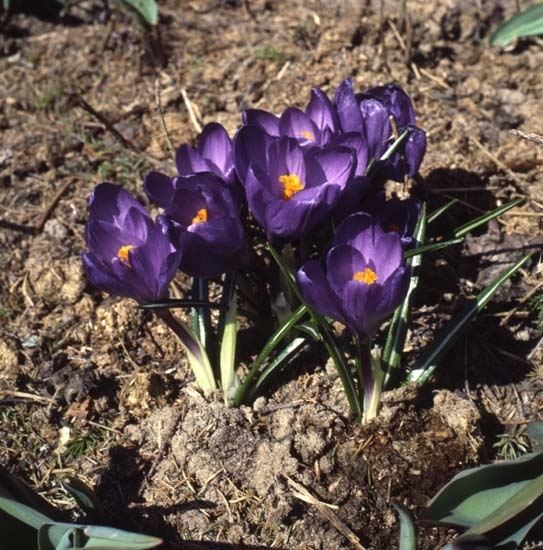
(408, 534)
(439, 211)
(525, 23)
(426, 364)
(85, 498)
(146, 9)
(67, 536)
(196, 353)
(271, 344)
(395, 342)
(500, 502)
(229, 378)
(485, 218)
(13, 488)
(286, 353)
(23, 513)
(431, 247)
(534, 431)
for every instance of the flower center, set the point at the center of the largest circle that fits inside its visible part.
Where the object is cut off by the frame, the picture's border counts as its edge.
(392, 227)
(368, 276)
(122, 254)
(291, 185)
(308, 135)
(201, 216)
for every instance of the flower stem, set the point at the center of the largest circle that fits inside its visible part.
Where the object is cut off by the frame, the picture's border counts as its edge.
(370, 377)
(196, 353)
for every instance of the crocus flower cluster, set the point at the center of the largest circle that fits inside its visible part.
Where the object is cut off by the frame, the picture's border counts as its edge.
(298, 176)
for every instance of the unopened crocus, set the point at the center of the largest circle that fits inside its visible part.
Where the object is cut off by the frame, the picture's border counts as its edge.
(205, 221)
(371, 113)
(365, 277)
(290, 189)
(128, 253)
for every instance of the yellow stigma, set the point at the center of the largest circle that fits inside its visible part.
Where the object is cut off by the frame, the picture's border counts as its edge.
(200, 217)
(368, 276)
(291, 185)
(308, 135)
(122, 254)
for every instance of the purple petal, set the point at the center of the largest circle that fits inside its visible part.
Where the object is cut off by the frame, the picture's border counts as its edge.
(250, 148)
(342, 262)
(189, 161)
(296, 124)
(317, 292)
(215, 145)
(338, 165)
(347, 107)
(159, 188)
(264, 120)
(322, 112)
(415, 147)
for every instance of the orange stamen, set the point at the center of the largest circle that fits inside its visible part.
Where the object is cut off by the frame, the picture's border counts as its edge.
(122, 254)
(308, 135)
(392, 227)
(291, 185)
(200, 217)
(368, 276)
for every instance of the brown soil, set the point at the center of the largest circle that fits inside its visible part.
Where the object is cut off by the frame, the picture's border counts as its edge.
(92, 387)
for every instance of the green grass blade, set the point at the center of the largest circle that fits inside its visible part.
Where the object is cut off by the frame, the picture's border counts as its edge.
(267, 350)
(446, 338)
(439, 211)
(183, 302)
(485, 218)
(289, 351)
(525, 23)
(395, 342)
(431, 247)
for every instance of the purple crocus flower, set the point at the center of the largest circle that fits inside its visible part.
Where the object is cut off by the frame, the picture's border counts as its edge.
(213, 153)
(395, 214)
(205, 221)
(370, 113)
(290, 189)
(317, 125)
(365, 277)
(129, 254)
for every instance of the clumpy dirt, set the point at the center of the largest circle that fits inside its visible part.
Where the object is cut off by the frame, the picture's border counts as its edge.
(92, 387)
(237, 471)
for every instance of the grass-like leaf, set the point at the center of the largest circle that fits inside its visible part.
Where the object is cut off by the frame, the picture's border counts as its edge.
(525, 23)
(431, 247)
(274, 341)
(286, 353)
(146, 9)
(395, 342)
(449, 334)
(463, 230)
(440, 211)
